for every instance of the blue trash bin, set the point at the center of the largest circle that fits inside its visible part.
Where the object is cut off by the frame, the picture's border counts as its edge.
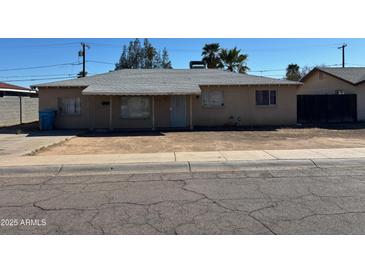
(46, 119)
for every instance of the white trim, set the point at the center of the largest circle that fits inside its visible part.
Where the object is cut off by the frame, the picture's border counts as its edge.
(18, 90)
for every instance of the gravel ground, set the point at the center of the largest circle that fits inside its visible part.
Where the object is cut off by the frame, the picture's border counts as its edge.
(275, 138)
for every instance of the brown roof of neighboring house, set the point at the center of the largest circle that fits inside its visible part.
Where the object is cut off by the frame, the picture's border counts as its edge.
(352, 75)
(12, 87)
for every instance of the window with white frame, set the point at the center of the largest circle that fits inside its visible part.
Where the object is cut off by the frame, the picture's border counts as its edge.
(135, 107)
(265, 97)
(69, 105)
(212, 99)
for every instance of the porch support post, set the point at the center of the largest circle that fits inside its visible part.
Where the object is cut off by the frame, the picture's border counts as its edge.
(191, 112)
(90, 108)
(111, 112)
(153, 113)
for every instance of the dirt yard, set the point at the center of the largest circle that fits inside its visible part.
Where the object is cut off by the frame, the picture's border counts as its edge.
(282, 138)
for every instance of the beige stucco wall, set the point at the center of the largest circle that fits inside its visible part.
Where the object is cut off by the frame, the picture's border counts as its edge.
(48, 100)
(322, 83)
(239, 109)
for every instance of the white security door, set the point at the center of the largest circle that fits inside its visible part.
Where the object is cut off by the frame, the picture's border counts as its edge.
(178, 111)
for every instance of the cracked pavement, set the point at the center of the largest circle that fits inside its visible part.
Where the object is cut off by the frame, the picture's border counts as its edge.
(296, 200)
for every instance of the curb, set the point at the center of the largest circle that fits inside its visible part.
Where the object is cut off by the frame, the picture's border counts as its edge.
(178, 167)
(95, 169)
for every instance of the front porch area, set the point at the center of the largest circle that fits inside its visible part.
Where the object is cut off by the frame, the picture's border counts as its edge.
(149, 112)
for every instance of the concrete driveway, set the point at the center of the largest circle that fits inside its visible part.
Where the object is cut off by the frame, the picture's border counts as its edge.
(13, 144)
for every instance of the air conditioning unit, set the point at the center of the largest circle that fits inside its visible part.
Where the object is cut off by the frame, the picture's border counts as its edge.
(339, 92)
(197, 65)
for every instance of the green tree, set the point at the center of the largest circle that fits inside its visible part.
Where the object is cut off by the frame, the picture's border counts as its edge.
(233, 60)
(166, 63)
(292, 72)
(123, 60)
(136, 56)
(149, 53)
(211, 55)
(157, 61)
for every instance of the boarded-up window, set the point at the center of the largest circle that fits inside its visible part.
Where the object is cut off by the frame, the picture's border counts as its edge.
(135, 107)
(69, 106)
(265, 97)
(212, 99)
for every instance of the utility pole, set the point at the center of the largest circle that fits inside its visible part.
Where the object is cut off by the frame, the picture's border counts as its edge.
(343, 53)
(82, 53)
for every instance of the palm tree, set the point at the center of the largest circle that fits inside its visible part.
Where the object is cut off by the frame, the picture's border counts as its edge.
(233, 60)
(292, 72)
(211, 55)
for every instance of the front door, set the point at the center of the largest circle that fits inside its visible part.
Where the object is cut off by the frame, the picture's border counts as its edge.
(178, 111)
(101, 112)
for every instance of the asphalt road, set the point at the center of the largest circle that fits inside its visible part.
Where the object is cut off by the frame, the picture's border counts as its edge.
(293, 200)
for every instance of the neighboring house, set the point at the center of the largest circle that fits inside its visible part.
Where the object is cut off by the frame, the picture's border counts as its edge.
(17, 105)
(332, 95)
(169, 98)
(12, 90)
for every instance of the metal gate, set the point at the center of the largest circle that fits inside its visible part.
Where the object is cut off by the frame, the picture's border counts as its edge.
(326, 108)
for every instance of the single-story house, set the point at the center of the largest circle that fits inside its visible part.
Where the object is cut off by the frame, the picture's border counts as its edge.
(332, 95)
(169, 98)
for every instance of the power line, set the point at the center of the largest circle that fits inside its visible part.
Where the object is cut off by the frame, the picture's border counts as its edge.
(272, 46)
(107, 45)
(39, 79)
(38, 67)
(267, 70)
(284, 69)
(359, 65)
(100, 62)
(36, 75)
(23, 77)
(38, 45)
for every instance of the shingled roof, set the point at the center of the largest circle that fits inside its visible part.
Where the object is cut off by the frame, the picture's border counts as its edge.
(161, 81)
(352, 75)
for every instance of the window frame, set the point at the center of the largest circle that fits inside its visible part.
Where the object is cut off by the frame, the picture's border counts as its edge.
(135, 118)
(212, 106)
(270, 104)
(59, 104)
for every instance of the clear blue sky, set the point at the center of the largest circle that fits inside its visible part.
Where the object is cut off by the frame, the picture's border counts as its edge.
(264, 54)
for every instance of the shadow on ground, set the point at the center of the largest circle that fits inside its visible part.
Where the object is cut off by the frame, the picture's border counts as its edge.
(32, 130)
(161, 132)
